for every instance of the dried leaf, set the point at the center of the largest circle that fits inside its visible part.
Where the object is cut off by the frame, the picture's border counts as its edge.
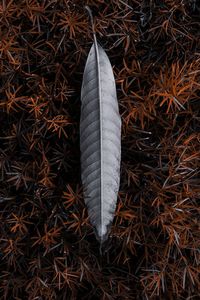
(100, 140)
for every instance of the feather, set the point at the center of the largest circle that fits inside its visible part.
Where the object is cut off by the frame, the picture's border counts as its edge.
(100, 140)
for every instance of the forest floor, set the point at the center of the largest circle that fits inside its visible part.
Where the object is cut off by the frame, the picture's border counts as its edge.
(47, 246)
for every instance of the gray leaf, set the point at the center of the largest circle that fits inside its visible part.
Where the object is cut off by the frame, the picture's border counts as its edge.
(100, 140)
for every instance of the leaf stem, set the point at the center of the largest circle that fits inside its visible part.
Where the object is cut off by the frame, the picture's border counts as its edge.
(91, 20)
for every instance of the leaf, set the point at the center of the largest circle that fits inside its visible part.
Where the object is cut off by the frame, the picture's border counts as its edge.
(100, 140)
